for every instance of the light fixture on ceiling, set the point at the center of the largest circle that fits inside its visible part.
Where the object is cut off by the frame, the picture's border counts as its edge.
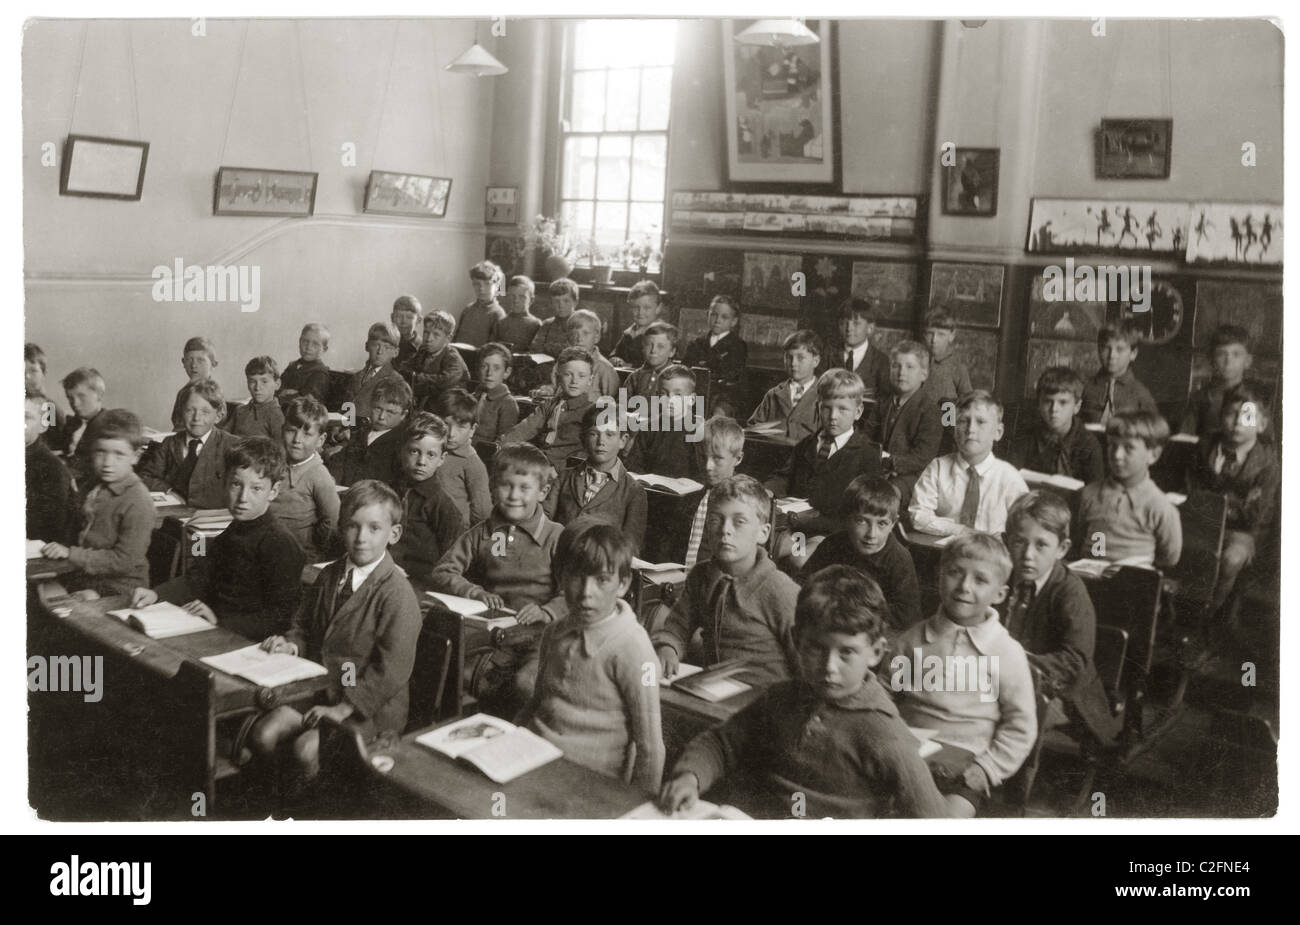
(478, 61)
(777, 32)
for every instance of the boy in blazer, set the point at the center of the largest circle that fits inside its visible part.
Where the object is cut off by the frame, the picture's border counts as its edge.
(192, 461)
(668, 446)
(908, 426)
(361, 620)
(383, 342)
(723, 354)
(600, 489)
(824, 464)
(857, 354)
(556, 425)
(794, 401)
(371, 453)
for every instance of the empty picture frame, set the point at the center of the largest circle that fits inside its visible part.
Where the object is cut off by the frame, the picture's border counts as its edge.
(389, 193)
(105, 168)
(254, 191)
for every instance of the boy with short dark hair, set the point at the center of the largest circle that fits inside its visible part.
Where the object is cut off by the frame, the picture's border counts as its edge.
(990, 719)
(658, 346)
(361, 620)
(507, 560)
(520, 326)
(497, 409)
(794, 401)
(371, 452)
(438, 367)
(191, 462)
(556, 424)
(970, 489)
(949, 378)
(1230, 356)
(475, 325)
(1051, 615)
(591, 698)
(85, 390)
(907, 425)
(1057, 442)
(199, 359)
(116, 513)
(721, 351)
(308, 375)
(584, 330)
(383, 344)
(1138, 524)
(740, 600)
(862, 761)
(430, 519)
(867, 542)
(260, 416)
(406, 317)
(250, 579)
(462, 474)
(554, 335)
(647, 309)
(600, 489)
(857, 353)
(666, 447)
(34, 369)
(307, 504)
(1115, 389)
(49, 485)
(1236, 463)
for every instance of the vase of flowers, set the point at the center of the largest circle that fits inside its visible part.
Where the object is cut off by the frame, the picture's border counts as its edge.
(639, 254)
(552, 243)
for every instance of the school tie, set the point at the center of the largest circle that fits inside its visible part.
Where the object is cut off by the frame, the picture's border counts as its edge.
(186, 470)
(848, 360)
(824, 445)
(1109, 408)
(594, 480)
(970, 503)
(718, 609)
(890, 420)
(1230, 465)
(796, 392)
(696, 538)
(344, 593)
(1025, 592)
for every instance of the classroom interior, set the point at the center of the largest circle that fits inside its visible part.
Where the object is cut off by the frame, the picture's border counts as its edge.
(908, 100)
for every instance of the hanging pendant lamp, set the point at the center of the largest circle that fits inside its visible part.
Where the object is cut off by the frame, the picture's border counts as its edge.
(777, 32)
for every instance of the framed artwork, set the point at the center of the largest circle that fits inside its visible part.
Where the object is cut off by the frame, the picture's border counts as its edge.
(970, 186)
(389, 193)
(502, 205)
(1065, 319)
(890, 287)
(1257, 307)
(779, 108)
(1134, 149)
(971, 292)
(756, 330)
(769, 281)
(253, 191)
(1117, 226)
(792, 215)
(694, 275)
(104, 168)
(1236, 233)
(1078, 355)
(979, 351)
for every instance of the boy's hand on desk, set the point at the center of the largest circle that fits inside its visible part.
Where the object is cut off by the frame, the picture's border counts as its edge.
(338, 713)
(143, 597)
(533, 613)
(200, 609)
(668, 661)
(54, 551)
(494, 601)
(274, 644)
(679, 793)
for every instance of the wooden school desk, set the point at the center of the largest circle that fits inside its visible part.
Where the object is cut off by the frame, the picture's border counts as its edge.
(135, 719)
(43, 569)
(765, 453)
(558, 790)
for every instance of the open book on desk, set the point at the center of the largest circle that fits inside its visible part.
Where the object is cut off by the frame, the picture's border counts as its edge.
(681, 486)
(166, 498)
(1033, 479)
(210, 520)
(34, 548)
(793, 505)
(714, 684)
(475, 613)
(162, 620)
(265, 669)
(501, 750)
(683, 671)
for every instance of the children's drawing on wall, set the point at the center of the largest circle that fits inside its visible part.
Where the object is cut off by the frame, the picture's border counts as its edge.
(1236, 233)
(971, 292)
(1072, 226)
(769, 280)
(889, 287)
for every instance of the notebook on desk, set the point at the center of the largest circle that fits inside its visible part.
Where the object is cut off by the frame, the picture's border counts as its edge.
(501, 750)
(793, 505)
(715, 684)
(162, 620)
(475, 613)
(1033, 479)
(681, 486)
(265, 669)
(166, 498)
(34, 548)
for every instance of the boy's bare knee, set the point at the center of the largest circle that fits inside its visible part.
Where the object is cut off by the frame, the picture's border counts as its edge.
(306, 751)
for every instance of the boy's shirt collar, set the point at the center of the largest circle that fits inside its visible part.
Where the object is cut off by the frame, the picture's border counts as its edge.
(187, 437)
(983, 635)
(870, 696)
(595, 635)
(534, 526)
(1145, 487)
(983, 468)
(361, 572)
(121, 485)
(838, 442)
(746, 586)
(614, 473)
(500, 390)
(299, 469)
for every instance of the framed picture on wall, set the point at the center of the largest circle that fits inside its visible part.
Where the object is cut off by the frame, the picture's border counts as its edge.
(389, 193)
(970, 292)
(105, 168)
(1130, 149)
(252, 191)
(502, 206)
(970, 184)
(779, 108)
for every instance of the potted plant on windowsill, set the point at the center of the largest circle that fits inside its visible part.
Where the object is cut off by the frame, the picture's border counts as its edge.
(552, 243)
(602, 273)
(639, 254)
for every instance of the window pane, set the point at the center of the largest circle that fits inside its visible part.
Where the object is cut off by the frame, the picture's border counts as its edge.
(649, 166)
(576, 219)
(656, 89)
(621, 96)
(623, 42)
(612, 181)
(646, 218)
(611, 226)
(587, 108)
(579, 168)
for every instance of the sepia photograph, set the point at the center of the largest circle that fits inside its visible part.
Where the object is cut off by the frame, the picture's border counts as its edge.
(661, 440)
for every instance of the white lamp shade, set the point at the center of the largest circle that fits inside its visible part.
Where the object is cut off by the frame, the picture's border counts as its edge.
(478, 61)
(783, 32)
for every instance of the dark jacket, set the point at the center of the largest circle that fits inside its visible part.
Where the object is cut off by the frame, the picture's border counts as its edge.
(823, 482)
(1077, 454)
(1251, 491)
(206, 487)
(378, 460)
(621, 502)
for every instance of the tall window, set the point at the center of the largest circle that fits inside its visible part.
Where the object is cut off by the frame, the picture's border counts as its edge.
(614, 158)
